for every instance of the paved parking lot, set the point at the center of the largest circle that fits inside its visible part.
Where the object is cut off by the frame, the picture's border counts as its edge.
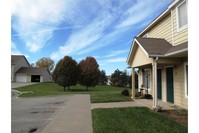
(33, 114)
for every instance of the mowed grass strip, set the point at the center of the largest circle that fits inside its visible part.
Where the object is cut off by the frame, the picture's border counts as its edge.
(100, 93)
(133, 120)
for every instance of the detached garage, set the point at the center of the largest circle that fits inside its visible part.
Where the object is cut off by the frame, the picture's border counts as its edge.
(33, 74)
(35, 78)
(21, 78)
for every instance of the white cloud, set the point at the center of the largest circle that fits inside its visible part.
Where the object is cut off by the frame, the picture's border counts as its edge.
(31, 16)
(36, 20)
(54, 56)
(140, 11)
(120, 59)
(114, 60)
(85, 37)
(115, 53)
(14, 50)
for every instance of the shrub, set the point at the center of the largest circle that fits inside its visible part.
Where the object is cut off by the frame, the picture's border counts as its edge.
(148, 96)
(125, 92)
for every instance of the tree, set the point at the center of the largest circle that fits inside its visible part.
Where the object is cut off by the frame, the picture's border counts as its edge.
(124, 78)
(116, 78)
(66, 72)
(45, 62)
(89, 72)
(32, 65)
(119, 78)
(103, 78)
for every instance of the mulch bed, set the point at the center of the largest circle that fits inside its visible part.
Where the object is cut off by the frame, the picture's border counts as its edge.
(180, 116)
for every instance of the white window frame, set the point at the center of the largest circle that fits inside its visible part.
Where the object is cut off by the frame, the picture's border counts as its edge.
(185, 79)
(177, 17)
(148, 77)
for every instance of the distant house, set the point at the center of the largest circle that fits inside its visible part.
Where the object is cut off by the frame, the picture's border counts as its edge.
(160, 53)
(21, 71)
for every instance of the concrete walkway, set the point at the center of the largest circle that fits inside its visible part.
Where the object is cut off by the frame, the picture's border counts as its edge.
(136, 103)
(75, 117)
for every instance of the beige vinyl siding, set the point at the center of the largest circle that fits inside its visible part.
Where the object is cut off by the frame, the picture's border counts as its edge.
(179, 91)
(140, 58)
(162, 30)
(164, 91)
(179, 36)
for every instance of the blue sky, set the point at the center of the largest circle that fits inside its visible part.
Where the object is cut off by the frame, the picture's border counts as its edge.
(103, 29)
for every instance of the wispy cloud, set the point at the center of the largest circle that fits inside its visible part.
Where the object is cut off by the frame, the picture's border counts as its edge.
(114, 60)
(140, 11)
(92, 24)
(48, 30)
(85, 37)
(115, 53)
(121, 59)
(32, 17)
(14, 50)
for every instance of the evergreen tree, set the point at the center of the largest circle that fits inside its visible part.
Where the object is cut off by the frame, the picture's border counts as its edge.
(103, 78)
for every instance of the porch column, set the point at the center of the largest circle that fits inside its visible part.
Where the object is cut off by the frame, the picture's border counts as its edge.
(155, 82)
(133, 83)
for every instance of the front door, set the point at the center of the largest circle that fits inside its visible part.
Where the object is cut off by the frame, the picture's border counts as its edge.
(169, 83)
(159, 83)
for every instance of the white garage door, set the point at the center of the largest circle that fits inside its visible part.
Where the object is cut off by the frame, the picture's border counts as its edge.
(21, 78)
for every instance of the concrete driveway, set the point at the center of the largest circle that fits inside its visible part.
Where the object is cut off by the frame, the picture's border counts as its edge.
(52, 114)
(16, 85)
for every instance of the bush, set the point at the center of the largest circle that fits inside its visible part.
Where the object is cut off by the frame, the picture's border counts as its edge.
(125, 92)
(148, 96)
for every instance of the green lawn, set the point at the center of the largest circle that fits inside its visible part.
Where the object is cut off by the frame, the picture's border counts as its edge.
(133, 120)
(100, 93)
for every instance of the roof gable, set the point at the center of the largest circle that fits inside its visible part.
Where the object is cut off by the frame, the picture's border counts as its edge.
(155, 47)
(16, 58)
(160, 17)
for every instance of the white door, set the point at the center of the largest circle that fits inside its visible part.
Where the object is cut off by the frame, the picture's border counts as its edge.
(21, 78)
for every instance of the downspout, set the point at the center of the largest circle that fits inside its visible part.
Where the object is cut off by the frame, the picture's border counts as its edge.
(155, 82)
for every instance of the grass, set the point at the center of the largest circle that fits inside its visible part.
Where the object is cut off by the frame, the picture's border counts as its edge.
(100, 93)
(133, 120)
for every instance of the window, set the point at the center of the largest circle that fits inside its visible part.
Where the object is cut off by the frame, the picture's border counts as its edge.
(182, 15)
(186, 79)
(146, 78)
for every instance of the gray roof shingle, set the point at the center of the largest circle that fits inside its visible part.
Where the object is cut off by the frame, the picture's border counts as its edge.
(16, 58)
(32, 70)
(159, 46)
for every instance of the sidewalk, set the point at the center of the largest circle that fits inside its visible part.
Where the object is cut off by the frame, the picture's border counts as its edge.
(74, 117)
(136, 103)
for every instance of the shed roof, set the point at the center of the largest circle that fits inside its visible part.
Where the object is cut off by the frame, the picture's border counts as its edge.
(33, 70)
(154, 46)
